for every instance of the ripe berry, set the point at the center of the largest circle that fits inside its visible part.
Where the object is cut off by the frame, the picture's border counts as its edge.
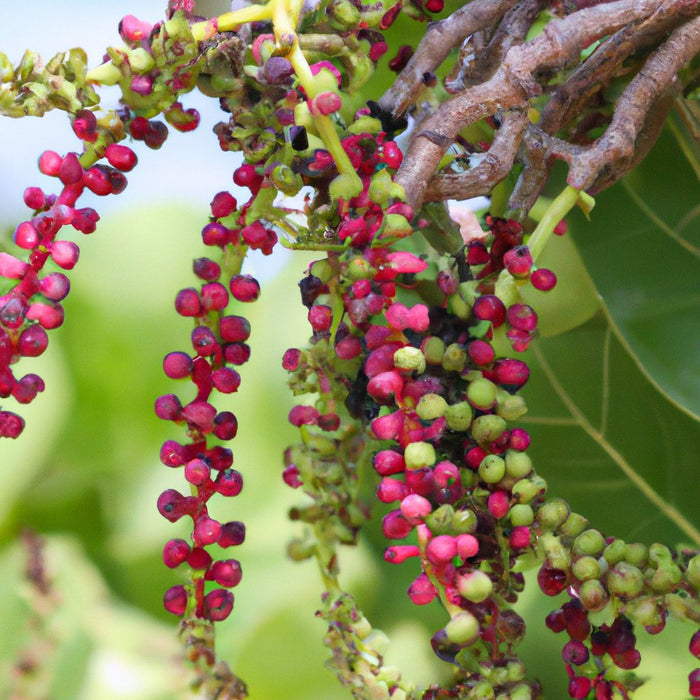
(522, 317)
(197, 472)
(120, 157)
(175, 553)
(223, 204)
(247, 176)
(490, 308)
(32, 341)
(229, 482)
(65, 254)
(199, 559)
(175, 600)
(552, 581)
(26, 236)
(206, 269)
(422, 591)
(177, 365)
(225, 426)
(231, 534)
(50, 163)
(543, 279)
(518, 261)
(244, 288)
(226, 573)
(215, 234)
(168, 407)
(70, 170)
(218, 604)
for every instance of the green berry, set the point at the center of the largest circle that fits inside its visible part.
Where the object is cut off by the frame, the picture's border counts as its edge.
(510, 407)
(637, 554)
(492, 469)
(520, 692)
(455, 358)
(459, 416)
(527, 489)
(625, 580)
(481, 393)
(666, 577)
(475, 586)
(553, 514)
(585, 568)
(486, 429)
(462, 629)
(588, 542)
(574, 525)
(431, 406)
(483, 690)
(441, 519)
(659, 554)
(463, 521)
(556, 553)
(419, 454)
(614, 552)
(409, 358)
(593, 595)
(516, 671)
(692, 572)
(518, 464)
(433, 348)
(521, 514)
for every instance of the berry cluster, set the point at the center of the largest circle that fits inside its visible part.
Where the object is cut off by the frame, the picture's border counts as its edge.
(32, 304)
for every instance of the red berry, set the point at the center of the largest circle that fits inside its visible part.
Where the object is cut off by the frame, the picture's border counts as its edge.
(218, 604)
(511, 373)
(543, 279)
(229, 482)
(223, 205)
(552, 581)
(199, 559)
(215, 234)
(121, 157)
(70, 170)
(206, 269)
(434, 5)
(177, 365)
(225, 426)
(97, 180)
(168, 407)
(26, 236)
(85, 125)
(695, 645)
(204, 341)
(175, 553)
(490, 308)
(226, 573)
(244, 288)
(522, 317)
(226, 380)
(518, 261)
(206, 531)
(247, 176)
(175, 600)
(188, 303)
(580, 687)
(422, 591)
(34, 198)
(214, 296)
(480, 352)
(395, 526)
(197, 472)
(32, 341)
(231, 534)
(237, 353)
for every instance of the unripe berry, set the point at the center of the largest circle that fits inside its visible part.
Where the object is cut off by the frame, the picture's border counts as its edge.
(593, 595)
(410, 359)
(459, 416)
(574, 525)
(518, 464)
(431, 406)
(455, 358)
(462, 629)
(625, 580)
(589, 542)
(433, 348)
(585, 568)
(492, 469)
(486, 429)
(419, 454)
(614, 552)
(475, 586)
(636, 554)
(521, 514)
(481, 393)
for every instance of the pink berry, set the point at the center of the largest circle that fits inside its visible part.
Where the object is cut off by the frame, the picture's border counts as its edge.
(237, 353)
(480, 352)
(388, 462)
(26, 236)
(511, 373)
(204, 341)
(214, 296)
(326, 103)
(303, 415)
(441, 549)
(520, 537)
(11, 425)
(400, 552)
(32, 341)
(291, 359)
(34, 198)
(467, 546)
(395, 526)
(519, 439)
(50, 163)
(390, 490)
(518, 261)
(172, 454)
(226, 380)
(199, 559)
(415, 506)
(320, 318)
(188, 303)
(206, 269)
(498, 504)
(132, 29)
(85, 125)
(65, 254)
(291, 476)
(695, 645)
(422, 591)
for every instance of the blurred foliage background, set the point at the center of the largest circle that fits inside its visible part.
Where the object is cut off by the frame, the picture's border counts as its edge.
(615, 374)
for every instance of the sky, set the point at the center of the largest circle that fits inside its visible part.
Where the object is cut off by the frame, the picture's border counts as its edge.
(189, 167)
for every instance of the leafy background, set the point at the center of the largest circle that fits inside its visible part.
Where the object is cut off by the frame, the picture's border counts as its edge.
(86, 472)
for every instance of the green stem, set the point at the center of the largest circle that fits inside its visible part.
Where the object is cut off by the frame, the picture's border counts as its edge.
(556, 211)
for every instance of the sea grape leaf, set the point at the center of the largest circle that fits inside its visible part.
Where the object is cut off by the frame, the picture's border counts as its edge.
(608, 442)
(642, 250)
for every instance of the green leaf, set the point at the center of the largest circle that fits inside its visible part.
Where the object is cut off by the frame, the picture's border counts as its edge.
(607, 442)
(642, 250)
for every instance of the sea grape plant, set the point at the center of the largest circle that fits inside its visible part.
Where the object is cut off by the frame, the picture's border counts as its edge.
(424, 319)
